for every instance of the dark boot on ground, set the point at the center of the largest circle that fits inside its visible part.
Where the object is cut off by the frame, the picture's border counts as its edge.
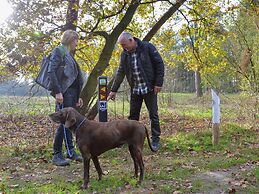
(59, 160)
(155, 144)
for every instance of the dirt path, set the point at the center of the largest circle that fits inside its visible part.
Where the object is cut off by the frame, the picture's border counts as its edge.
(227, 180)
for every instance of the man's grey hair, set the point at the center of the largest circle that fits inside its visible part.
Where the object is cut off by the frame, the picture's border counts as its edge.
(125, 35)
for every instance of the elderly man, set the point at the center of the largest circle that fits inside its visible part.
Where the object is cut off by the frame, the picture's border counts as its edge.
(144, 70)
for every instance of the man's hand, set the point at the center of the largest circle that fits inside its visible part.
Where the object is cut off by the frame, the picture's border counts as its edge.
(59, 98)
(157, 89)
(111, 96)
(80, 103)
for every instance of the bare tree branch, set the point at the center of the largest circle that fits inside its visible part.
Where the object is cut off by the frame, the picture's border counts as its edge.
(163, 19)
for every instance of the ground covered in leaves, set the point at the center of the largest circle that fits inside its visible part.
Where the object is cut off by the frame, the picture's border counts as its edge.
(186, 163)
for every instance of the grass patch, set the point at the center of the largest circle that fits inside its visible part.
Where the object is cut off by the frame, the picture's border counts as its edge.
(231, 137)
(256, 173)
(197, 185)
(184, 149)
(182, 155)
(166, 188)
(12, 105)
(198, 113)
(222, 162)
(58, 187)
(178, 173)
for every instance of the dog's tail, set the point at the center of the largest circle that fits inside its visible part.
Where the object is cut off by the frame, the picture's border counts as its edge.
(148, 140)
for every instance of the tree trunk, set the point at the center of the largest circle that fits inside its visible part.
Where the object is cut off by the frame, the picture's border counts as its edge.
(162, 20)
(198, 87)
(94, 110)
(72, 15)
(105, 56)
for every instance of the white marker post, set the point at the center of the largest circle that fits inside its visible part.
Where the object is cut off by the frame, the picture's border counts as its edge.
(215, 117)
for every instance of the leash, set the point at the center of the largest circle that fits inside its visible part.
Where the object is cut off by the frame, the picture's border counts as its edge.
(79, 127)
(61, 106)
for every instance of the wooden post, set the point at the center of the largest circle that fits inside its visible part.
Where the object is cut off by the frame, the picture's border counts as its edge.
(215, 117)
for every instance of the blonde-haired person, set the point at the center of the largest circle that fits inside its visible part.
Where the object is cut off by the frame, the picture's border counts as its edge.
(66, 82)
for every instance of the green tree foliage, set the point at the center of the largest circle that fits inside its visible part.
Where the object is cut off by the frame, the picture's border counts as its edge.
(204, 35)
(220, 42)
(36, 28)
(243, 46)
(27, 35)
(201, 43)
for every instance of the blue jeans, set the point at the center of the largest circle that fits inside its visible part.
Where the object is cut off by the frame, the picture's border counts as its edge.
(150, 100)
(70, 98)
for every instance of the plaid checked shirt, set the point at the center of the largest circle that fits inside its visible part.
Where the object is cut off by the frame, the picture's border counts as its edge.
(140, 86)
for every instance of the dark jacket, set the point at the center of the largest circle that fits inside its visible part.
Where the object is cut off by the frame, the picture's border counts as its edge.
(63, 71)
(150, 63)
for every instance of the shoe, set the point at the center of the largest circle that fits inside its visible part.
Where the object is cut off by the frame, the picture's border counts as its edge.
(155, 146)
(59, 160)
(74, 156)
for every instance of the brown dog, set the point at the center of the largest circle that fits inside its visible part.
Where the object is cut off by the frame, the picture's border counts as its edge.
(94, 138)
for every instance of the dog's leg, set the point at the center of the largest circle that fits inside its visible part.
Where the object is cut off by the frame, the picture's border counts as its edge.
(134, 160)
(86, 172)
(140, 163)
(97, 167)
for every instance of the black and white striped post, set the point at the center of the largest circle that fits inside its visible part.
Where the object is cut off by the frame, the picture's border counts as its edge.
(102, 98)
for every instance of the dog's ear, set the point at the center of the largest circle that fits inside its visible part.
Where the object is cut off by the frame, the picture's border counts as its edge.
(70, 119)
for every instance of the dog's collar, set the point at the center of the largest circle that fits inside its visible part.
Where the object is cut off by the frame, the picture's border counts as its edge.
(78, 126)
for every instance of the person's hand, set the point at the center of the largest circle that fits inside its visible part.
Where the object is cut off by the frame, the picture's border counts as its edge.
(111, 96)
(59, 98)
(157, 89)
(80, 103)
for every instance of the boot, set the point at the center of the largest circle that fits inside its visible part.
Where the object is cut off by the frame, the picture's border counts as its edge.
(74, 156)
(59, 160)
(155, 143)
(155, 146)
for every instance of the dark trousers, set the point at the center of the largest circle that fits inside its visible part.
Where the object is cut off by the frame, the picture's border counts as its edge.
(150, 100)
(70, 98)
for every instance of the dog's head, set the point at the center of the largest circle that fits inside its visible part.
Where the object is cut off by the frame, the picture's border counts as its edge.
(66, 116)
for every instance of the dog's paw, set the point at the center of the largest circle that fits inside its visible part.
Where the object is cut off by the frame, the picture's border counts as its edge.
(100, 176)
(84, 186)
